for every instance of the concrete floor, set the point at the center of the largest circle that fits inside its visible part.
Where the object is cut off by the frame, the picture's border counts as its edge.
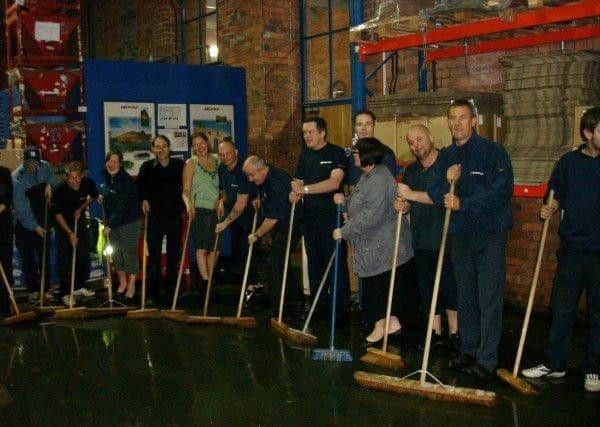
(116, 372)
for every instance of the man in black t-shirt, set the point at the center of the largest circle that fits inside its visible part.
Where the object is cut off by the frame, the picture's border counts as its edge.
(320, 174)
(71, 200)
(160, 186)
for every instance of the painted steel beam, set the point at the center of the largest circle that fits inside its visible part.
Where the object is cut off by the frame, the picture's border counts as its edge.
(572, 33)
(526, 19)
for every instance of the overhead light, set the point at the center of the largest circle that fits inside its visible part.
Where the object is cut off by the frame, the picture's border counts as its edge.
(213, 51)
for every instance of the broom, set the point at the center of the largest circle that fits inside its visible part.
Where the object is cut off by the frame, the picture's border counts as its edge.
(303, 337)
(238, 320)
(173, 313)
(72, 312)
(111, 309)
(437, 391)
(143, 312)
(381, 357)
(18, 317)
(278, 324)
(45, 308)
(205, 319)
(332, 354)
(512, 379)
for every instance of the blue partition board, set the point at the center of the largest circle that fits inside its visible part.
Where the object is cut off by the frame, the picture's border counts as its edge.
(4, 116)
(128, 81)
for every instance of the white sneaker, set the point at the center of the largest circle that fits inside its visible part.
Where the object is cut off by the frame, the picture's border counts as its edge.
(84, 292)
(67, 300)
(542, 371)
(592, 383)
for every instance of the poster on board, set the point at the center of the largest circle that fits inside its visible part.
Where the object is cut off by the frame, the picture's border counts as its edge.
(216, 121)
(129, 127)
(172, 122)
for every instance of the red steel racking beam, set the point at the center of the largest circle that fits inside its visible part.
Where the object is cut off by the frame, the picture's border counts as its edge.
(571, 33)
(526, 19)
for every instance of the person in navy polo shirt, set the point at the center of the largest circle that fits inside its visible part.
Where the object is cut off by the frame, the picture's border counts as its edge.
(481, 218)
(576, 184)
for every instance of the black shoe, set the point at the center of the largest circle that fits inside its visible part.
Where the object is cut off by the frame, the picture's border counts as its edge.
(480, 372)
(462, 362)
(439, 345)
(454, 343)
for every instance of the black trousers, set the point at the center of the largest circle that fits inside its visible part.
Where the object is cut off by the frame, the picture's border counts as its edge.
(273, 276)
(65, 258)
(158, 228)
(29, 245)
(426, 263)
(6, 248)
(319, 245)
(376, 290)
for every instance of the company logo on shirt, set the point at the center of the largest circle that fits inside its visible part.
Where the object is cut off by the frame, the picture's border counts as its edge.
(477, 173)
(326, 162)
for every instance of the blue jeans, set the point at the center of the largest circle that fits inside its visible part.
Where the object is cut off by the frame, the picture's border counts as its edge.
(576, 270)
(479, 263)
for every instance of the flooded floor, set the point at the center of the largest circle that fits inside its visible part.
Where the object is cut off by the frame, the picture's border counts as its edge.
(116, 372)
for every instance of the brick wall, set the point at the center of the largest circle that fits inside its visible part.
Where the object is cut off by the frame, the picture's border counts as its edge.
(263, 37)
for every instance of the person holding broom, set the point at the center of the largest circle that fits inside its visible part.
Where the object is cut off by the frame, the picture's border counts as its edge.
(71, 200)
(478, 234)
(575, 181)
(426, 223)
(273, 186)
(370, 228)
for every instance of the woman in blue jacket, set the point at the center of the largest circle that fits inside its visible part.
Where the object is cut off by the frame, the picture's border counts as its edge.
(121, 204)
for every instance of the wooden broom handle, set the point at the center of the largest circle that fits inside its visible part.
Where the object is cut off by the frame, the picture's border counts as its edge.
(11, 295)
(180, 273)
(247, 268)
(534, 282)
(286, 262)
(436, 288)
(210, 274)
(44, 249)
(388, 312)
(73, 259)
(144, 261)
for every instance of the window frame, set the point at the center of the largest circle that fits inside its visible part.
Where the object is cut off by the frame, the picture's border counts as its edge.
(200, 19)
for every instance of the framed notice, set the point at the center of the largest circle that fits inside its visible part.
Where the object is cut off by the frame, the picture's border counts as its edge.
(216, 121)
(172, 123)
(129, 127)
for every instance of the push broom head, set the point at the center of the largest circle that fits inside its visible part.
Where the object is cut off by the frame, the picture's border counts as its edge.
(19, 318)
(203, 320)
(377, 357)
(108, 311)
(71, 313)
(174, 315)
(428, 390)
(331, 355)
(298, 337)
(152, 313)
(245, 322)
(280, 327)
(517, 383)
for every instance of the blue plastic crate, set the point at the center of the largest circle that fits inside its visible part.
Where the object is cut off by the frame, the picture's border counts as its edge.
(4, 117)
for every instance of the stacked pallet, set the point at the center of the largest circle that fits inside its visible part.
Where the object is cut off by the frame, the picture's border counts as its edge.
(541, 94)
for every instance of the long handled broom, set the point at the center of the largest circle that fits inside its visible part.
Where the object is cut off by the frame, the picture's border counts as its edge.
(143, 312)
(18, 317)
(173, 313)
(332, 354)
(41, 307)
(72, 312)
(512, 379)
(278, 324)
(302, 337)
(108, 308)
(205, 318)
(238, 319)
(438, 390)
(374, 356)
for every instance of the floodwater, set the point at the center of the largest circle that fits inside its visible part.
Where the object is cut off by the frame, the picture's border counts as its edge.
(116, 372)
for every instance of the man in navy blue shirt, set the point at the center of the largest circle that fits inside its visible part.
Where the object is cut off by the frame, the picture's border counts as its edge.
(481, 217)
(273, 187)
(6, 231)
(575, 181)
(234, 207)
